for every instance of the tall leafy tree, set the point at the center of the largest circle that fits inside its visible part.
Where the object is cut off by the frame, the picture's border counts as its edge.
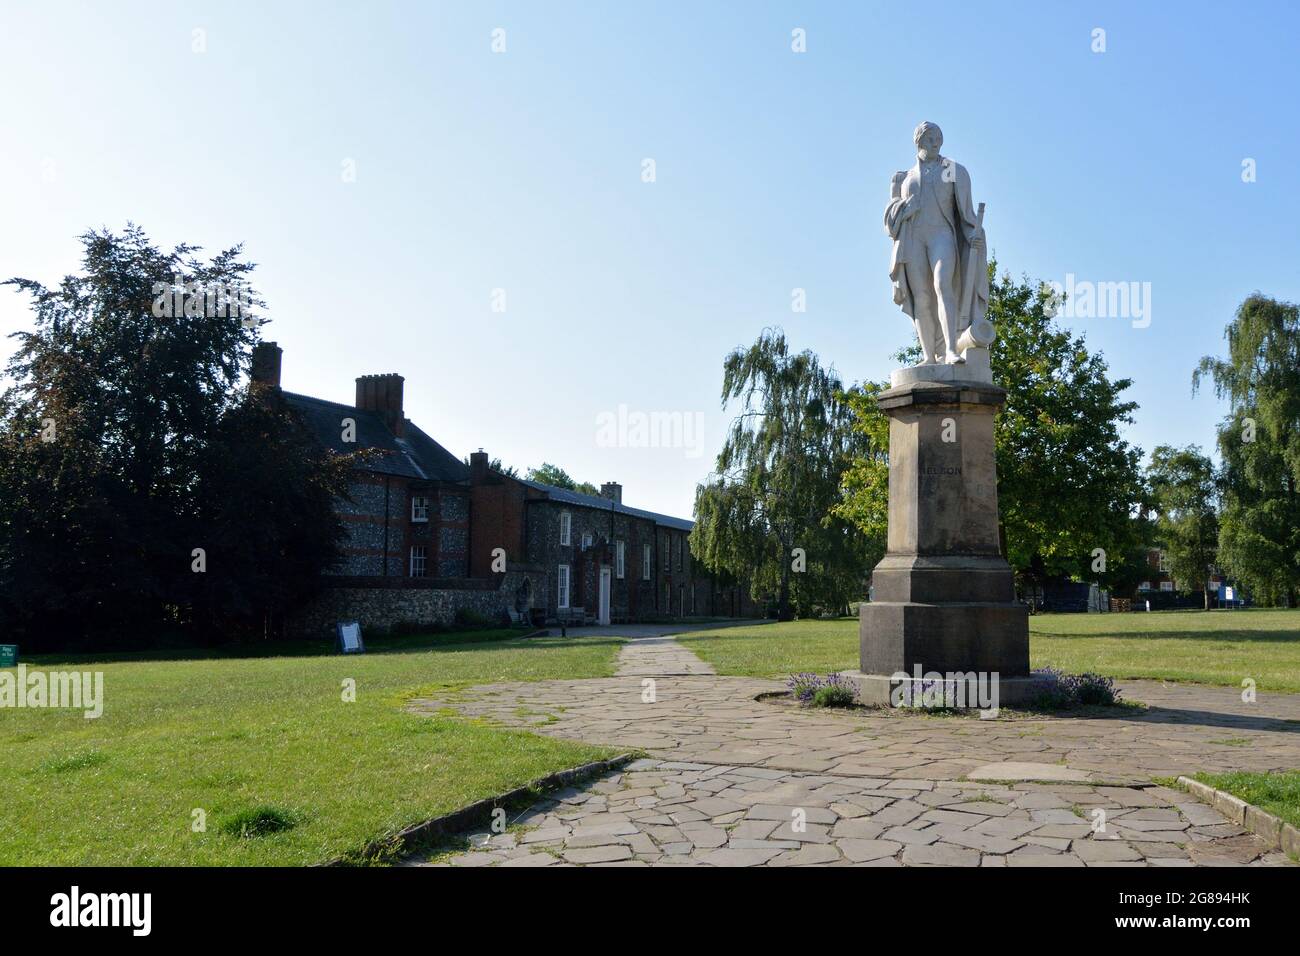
(766, 513)
(109, 473)
(109, 409)
(1184, 489)
(1259, 443)
(1069, 486)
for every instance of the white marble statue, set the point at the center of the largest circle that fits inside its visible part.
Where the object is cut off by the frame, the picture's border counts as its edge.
(939, 265)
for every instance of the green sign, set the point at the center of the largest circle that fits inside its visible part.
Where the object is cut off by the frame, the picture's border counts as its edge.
(8, 655)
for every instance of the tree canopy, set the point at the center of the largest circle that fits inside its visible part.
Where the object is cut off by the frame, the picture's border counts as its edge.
(1259, 443)
(1184, 490)
(141, 487)
(557, 477)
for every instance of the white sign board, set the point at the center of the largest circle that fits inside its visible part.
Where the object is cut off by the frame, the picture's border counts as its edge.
(350, 637)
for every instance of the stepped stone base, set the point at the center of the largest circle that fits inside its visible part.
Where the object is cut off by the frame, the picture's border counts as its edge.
(943, 597)
(952, 636)
(883, 690)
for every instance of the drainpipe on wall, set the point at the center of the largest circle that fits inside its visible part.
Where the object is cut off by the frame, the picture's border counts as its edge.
(384, 558)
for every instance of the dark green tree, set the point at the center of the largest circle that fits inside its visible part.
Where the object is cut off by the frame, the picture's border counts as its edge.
(1184, 489)
(108, 435)
(1259, 443)
(266, 496)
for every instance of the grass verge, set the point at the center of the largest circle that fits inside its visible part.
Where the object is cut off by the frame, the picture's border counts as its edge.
(268, 756)
(1277, 793)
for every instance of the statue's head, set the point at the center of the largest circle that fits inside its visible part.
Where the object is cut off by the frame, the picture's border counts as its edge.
(928, 138)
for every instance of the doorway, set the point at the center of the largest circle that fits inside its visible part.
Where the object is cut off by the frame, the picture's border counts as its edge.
(605, 575)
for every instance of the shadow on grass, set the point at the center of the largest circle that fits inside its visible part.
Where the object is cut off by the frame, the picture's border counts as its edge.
(461, 641)
(1227, 637)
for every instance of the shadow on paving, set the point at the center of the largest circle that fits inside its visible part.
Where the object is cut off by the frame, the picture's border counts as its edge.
(1156, 714)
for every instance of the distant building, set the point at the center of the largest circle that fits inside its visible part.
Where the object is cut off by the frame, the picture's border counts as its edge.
(1159, 577)
(432, 540)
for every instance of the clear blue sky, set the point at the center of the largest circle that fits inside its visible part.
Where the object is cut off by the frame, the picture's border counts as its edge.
(522, 171)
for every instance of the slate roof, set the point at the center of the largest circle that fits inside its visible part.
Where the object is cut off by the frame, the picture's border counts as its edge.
(606, 504)
(419, 456)
(415, 456)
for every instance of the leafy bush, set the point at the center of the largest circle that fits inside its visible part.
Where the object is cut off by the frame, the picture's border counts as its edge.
(803, 686)
(1053, 691)
(1063, 691)
(831, 691)
(1093, 690)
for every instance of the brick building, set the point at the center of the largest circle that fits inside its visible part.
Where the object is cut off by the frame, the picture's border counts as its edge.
(431, 539)
(1159, 577)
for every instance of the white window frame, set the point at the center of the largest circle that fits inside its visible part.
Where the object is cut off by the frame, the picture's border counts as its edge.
(586, 541)
(566, 528)
(420, 511)
(668, 552)
(647, 561)
(1166, 585)
(681, 546)
(620, 561)
(423, 557)
(1144, 586)
(1163, 562)
(562, 587)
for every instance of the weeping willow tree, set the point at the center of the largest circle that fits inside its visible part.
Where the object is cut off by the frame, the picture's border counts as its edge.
(766, 514)
(1259, 525)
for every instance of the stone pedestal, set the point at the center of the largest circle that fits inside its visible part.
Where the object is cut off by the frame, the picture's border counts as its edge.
(943, 597)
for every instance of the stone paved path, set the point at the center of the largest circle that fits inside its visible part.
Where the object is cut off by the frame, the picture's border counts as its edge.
(659, 657)
(737, 781)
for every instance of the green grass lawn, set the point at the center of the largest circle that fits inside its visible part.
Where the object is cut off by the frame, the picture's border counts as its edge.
(1278, 793)
(1210, 647)
(778, 649)
(228, 735)
(1206, 647)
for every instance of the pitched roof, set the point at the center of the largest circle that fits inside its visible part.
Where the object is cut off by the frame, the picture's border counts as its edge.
(418, 456)
(414, 456)
(571, 497)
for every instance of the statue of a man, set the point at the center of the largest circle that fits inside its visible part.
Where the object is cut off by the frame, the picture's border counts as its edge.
(939, 265)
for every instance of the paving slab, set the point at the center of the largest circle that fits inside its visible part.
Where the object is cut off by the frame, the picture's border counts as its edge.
(728, 775)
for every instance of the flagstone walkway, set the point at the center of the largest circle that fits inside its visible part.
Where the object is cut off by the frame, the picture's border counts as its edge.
(737, 781)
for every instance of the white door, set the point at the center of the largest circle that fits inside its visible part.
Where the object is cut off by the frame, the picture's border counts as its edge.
(604, 595)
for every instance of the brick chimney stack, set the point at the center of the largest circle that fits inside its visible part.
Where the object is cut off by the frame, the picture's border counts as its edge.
(265, 368)
(613, 491)
(383, 393)
(478, 466)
